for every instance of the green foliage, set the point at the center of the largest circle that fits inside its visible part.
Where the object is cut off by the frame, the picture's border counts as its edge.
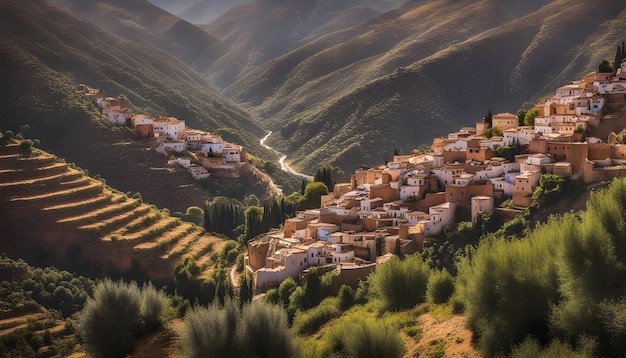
(310, 321)
(252, 223)
(8, 136)
(285, 290)
(488, 118)
(504, 278)
(565, 275)
(605, 67)
(325, 176)
(530, 347)
(256, 330)
(440, 287)
(26, 146)
(529, 118)
(194, 215)
(117, 315)
(272, 296)
(492, 132)
(346, 296)
(223, 215)
(521, 115)
(508, 151)
(26, 287)
(211, 331)
(285, 180)
(263, 332)
(362, 338)
(621, 137)
(313, 289)
(401, 284)
(312, 195)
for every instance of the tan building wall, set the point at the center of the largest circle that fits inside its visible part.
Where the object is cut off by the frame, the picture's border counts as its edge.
(505, 121)
(341, 189)
(293, 225)
(454, 156)
(430, 200)
(257, 253)
(479, 154)
(538, 145)
(366, 176)
(600, 151)
(385, 192)
(464, 194)
(373, 223)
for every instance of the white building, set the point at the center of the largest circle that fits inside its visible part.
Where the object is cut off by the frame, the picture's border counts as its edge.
(440, 216)
(481, 204)
(232, 153)
(169, 127)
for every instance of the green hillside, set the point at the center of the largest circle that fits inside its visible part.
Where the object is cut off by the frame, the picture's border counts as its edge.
(418, 71)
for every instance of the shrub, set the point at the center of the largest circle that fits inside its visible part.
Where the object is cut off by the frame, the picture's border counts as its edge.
(263, 332)
(401, 284)
(26, 146)
(308, 322)
(440, 287)
(363, 338)
(210, 332)
(285, 290)
(109, 321)
(151, 309)
(272, 296)
(347, 297)
(116, 315)
(257, 330)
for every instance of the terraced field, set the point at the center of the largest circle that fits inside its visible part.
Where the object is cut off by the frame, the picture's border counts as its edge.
(47, 204)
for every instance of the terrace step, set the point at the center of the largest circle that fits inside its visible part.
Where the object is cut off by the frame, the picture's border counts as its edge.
(115, 223)
(99, 214)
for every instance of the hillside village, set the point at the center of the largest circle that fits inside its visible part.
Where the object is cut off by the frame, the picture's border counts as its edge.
(393, 208)
(207, 153)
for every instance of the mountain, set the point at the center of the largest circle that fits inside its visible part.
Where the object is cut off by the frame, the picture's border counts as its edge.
(144, 23)
(350, 96)
(45, 52)
(260, 30)
(197, 11)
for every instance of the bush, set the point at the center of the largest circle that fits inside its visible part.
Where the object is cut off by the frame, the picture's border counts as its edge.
(26, 146)
(109, 321)
(263, 332)
(257, 330)
(308, 322)
(210, 332)
(285, 290)
(116, 315)
(440, 287)
(347, 297)
(401, 284)
(363, 338)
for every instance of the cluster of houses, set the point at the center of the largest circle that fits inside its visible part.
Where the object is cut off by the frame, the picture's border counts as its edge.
(205, 153)
(393, 208)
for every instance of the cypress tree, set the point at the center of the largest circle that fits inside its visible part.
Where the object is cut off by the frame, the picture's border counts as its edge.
(619, 55)
(207, 218)
(488, 118)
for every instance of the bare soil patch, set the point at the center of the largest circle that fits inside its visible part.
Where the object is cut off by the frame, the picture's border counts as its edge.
(441, 337)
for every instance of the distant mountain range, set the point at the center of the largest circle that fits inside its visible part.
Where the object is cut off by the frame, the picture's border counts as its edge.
(339, 82)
